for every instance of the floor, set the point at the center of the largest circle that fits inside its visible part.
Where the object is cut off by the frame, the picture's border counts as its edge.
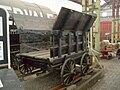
(111, 79)
(42, 82)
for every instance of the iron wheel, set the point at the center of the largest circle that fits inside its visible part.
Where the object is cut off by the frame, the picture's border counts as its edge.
(68, 72)
(85, 63)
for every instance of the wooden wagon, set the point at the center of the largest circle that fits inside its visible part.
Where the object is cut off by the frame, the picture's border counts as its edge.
(68, 47)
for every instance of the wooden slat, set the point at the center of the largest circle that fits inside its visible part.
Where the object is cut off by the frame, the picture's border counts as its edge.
(43, 56)
(35, 53)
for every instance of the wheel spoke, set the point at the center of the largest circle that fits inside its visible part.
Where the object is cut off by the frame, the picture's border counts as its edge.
(22, 68)
(67, 67)
(84, 67)
(67, 74)
(74, 69)
(84, 64)
(66, 71)
(67, 79)
(26, 70)
(71, 65)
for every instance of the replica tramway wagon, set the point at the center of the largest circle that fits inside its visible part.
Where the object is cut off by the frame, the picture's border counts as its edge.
(68, 47)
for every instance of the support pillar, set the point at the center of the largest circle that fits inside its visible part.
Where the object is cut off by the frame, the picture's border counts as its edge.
(113, 21)
(91, 30)
(117, 21)
(84, 6)
(97, 26)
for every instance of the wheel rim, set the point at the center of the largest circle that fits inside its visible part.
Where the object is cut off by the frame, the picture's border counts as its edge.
(68, 72)
(85, 63)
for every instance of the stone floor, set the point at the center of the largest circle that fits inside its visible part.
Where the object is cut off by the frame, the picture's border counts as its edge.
(111, 79)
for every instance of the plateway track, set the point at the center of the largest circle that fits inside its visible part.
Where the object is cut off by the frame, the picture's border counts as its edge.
(77, 79)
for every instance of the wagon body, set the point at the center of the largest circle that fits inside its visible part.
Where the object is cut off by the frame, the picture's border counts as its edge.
(68, 46)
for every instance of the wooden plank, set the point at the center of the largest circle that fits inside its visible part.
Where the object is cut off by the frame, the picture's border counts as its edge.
(43, 56)
(36, 53)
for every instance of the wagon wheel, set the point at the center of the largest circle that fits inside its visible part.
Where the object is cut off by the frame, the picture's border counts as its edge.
(68, 72)
(85, 63)
(24, 69)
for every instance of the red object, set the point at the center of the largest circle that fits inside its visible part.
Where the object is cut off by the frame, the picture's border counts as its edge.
(105, 27)
(105, 52)
(105, 30)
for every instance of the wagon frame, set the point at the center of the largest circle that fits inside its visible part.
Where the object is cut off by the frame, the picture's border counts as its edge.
(69, 47)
